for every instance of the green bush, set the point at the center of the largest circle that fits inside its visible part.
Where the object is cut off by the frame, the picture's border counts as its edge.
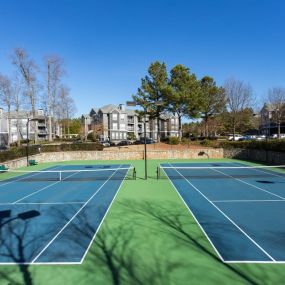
(172, 140)
(18, 152)
(273, 145)
(206, 142)
(91, 137)
(71, 147)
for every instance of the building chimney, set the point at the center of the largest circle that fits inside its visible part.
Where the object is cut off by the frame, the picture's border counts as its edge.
(40, 112)
(122, 107)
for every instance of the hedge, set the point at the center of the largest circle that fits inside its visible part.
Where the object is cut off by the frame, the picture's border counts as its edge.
(17, 152)
(172, 140)
(273, 145)
(71, 147)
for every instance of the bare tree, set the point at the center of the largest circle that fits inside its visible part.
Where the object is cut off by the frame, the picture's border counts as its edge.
(17, 98)
(65, 107)
(238, 97)
(28, 69)
(6, 99)
(276, 98)
(54, 72)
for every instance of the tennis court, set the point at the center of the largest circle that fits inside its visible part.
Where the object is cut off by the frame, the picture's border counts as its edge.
(43, 214)
(239, 208)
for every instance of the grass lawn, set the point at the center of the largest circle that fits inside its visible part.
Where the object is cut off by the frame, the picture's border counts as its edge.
(148, 237)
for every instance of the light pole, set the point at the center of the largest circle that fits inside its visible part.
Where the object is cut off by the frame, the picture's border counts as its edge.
(278, 122)
(145, 149)
(27, 129)
(133, 104)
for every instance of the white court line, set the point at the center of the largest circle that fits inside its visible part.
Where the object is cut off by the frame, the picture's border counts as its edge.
(240, 229)
(16, 202)
(202, 229)
(252, 185)
(82, 259)
(42, 203)
(238, 201)
(25, 176)
(73, 217)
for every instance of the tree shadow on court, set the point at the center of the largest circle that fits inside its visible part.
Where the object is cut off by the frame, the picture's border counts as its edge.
(20, 241)
(173, 221)
(115, 252)
(13, 244)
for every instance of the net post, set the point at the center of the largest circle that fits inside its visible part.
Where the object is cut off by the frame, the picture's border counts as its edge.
(157, 172)
(59, 175)
(134, 174)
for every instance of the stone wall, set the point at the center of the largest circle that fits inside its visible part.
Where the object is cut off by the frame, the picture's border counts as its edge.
(118, 155)
(269, 157)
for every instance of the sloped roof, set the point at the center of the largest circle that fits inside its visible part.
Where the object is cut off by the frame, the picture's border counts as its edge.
(94, 109)
(131, 112)
(109, 108)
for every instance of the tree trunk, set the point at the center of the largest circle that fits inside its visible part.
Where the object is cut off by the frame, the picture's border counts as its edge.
(206, 127)
(9, 127)
(49, 128)
(18, 130)
(179, 128)
(279, 129)
(158, 130)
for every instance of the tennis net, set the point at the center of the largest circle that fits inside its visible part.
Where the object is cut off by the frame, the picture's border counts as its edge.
(259, 172)
(121, 173)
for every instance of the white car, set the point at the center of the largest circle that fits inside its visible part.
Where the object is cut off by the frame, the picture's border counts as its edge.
(275, 136)
(236, 138)
(261, 138)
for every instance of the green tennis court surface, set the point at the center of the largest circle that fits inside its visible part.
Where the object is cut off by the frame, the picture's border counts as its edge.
(148, 237)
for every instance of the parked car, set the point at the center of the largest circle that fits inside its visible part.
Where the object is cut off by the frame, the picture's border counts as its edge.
(105, 143)
(150, 141)
(124, 142)
(261, 138)
(3, 148)
(248, 138)
(236, 138)
(275, 136)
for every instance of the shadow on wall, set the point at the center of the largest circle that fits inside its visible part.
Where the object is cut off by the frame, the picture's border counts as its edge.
(258, 155)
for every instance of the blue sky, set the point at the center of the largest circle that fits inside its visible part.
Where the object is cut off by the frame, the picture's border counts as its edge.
(107, 46)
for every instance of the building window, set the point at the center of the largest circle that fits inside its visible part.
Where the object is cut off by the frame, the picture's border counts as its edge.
(115, 116)
(113, 136)
(122, 117)
(123, 126)
(115, 126)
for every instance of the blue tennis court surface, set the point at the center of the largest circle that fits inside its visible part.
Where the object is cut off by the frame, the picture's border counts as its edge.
(241, 211)
(46, 220)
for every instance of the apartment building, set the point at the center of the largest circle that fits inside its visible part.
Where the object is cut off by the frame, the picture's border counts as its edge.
(18, 126)
(117, 123)
(270, 119)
